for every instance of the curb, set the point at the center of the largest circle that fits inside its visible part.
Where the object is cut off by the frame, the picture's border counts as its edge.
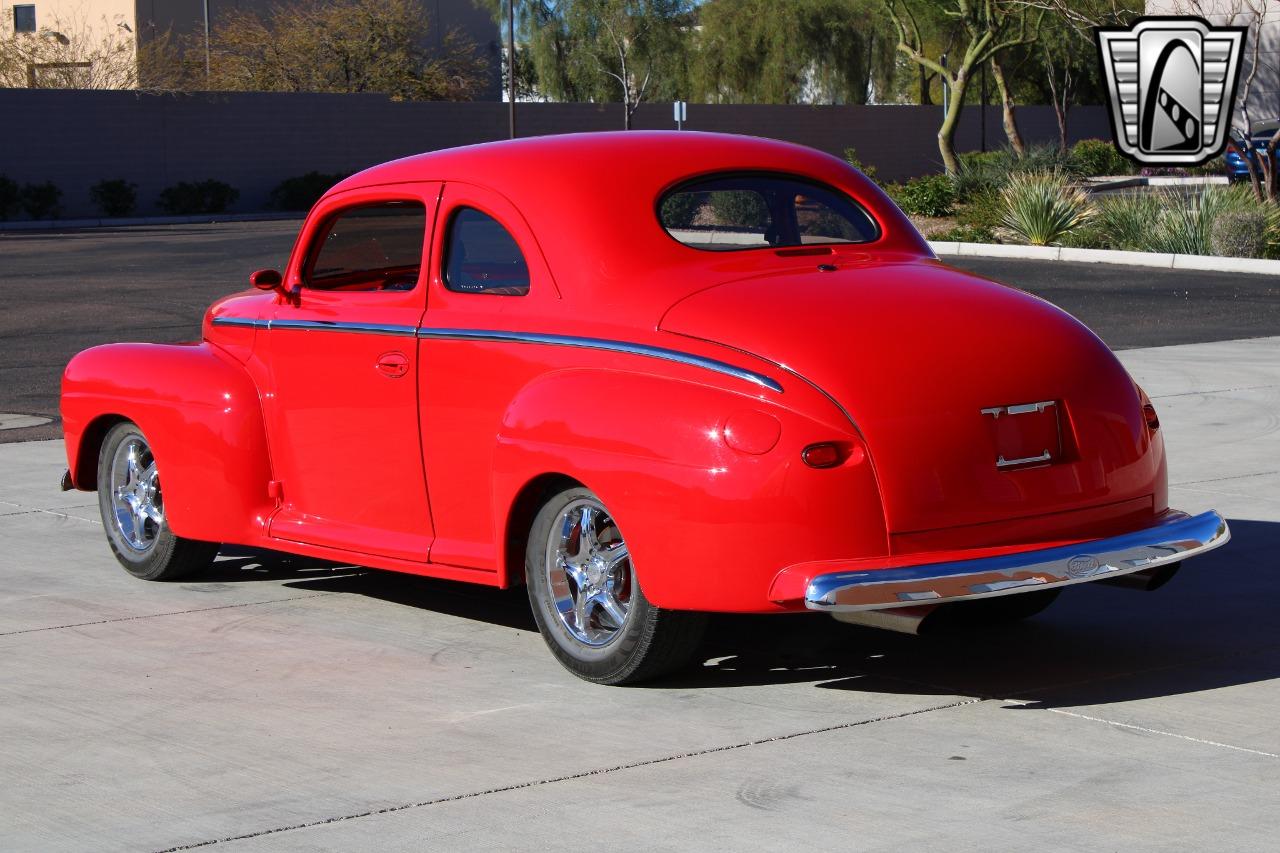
(1207, 263)
(1155, 181)
(124, 222)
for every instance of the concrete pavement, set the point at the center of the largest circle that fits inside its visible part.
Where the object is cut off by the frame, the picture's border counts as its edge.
(283, 704)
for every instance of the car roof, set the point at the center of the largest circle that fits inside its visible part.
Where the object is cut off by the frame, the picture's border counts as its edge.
(591, 200)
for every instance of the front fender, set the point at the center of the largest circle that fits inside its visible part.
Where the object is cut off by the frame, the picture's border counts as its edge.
(708, 526)
(201, 414)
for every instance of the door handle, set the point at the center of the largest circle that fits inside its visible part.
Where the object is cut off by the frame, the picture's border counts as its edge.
(392, 364)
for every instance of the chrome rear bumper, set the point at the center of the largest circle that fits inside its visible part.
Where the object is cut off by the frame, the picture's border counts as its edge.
(1176, 538)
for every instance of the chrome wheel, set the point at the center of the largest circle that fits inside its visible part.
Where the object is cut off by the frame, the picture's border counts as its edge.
(589, 573)
(136, 504)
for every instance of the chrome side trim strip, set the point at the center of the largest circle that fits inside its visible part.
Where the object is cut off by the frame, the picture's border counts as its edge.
(320, 326)
(1178, 537)
(337, 326)
(245, 322)
(602, 344)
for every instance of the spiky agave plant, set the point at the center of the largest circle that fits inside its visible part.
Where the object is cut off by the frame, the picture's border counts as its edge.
(1042, 207)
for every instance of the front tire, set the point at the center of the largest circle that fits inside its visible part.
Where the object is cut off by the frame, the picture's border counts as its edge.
(587, 599)
(132, 507)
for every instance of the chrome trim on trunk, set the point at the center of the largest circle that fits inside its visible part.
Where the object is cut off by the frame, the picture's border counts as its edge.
(602, 344)
(1176, 538)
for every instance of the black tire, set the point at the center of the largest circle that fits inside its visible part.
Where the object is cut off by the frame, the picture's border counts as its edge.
(649, 643)
(147, 549)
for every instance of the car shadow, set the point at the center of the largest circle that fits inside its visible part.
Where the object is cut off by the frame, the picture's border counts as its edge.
(1209, 628)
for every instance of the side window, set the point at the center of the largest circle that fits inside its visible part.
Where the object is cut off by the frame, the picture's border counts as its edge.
(482, 257)
(374, 247)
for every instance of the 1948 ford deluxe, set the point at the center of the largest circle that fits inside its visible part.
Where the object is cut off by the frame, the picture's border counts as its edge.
(648, 375)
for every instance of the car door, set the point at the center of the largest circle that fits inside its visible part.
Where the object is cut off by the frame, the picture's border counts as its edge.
(343, 355)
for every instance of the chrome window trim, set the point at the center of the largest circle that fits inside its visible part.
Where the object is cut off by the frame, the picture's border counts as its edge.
(603, 344)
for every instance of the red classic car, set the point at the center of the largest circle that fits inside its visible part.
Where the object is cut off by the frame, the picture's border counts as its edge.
(648, 376)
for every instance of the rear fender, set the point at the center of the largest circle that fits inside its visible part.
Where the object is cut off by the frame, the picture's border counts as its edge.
(201, 414)
(707, 525)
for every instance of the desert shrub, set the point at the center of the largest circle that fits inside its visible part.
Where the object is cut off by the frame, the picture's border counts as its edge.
(1125, 220)
(984, 210)
(965, 234)
(981, 172)
(1043, 207)
(929, 195)
(1219, 220)
(9, 198)
(1213, 168)
(1239, 234)
(189, 198)
(989, 171)
(1045, 158)
(739, 207)
(302, 191)
(40, 201)
(1093, 158)
(679, 209)
(851, 157)
(114, 198)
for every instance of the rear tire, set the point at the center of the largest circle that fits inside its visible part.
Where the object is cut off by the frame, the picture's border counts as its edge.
(587, 599)
(132, 508)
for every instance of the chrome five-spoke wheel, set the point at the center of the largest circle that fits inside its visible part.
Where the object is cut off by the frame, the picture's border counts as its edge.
(588, 600)
(137, 506)
(589, 572)
(133, 513)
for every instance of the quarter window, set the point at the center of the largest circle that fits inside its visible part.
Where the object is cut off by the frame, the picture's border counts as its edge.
(728, 212)
(24, 19)
(376, 247)
(482, 256)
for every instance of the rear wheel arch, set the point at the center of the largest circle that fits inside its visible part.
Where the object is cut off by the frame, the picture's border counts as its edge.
(522, 510)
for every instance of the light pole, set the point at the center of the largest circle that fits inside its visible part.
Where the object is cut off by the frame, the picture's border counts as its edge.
(511, 64)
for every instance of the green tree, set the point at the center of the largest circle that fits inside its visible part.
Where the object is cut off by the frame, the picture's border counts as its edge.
(989, 27)
(803, 51)
(622, 51)
(340, 46)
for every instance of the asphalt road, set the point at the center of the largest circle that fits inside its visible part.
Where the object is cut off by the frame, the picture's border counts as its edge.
(64, 292)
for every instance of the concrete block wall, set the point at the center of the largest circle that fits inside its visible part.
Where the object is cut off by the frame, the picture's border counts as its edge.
(255, 140)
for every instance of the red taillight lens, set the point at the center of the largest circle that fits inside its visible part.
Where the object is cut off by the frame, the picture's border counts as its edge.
(826, 454)
(1149, 412)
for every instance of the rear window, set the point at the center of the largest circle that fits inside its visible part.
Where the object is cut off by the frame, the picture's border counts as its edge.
(727, 212)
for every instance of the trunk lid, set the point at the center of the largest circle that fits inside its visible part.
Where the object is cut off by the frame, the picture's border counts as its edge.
(942, 372)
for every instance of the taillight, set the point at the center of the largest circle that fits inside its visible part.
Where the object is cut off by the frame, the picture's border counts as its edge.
(1148, 410)
(826, 454)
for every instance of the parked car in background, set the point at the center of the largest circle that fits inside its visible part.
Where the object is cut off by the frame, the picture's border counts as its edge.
(1241, 147)
(647, 376)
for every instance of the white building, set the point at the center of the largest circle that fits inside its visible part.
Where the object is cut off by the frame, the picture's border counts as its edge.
(1258, 97)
